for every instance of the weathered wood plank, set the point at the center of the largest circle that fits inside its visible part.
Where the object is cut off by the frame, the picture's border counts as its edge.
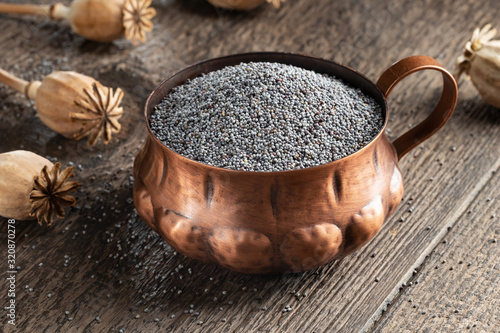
(456, 289)
(133, 278)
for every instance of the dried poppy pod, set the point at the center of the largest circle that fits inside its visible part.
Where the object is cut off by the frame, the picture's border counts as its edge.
(73, 104)
(98, 20)
(32, 187)
(243, 4)
(481, 62)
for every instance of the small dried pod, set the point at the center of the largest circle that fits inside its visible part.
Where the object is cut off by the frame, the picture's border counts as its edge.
(31, 187)
(97, 20)
(73, 104)
(481, 62)
(243, 4)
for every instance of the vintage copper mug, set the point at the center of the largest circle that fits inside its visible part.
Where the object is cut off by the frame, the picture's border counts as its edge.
(287, 221)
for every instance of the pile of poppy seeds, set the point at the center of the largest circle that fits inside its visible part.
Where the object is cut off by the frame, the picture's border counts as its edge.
(262, 116)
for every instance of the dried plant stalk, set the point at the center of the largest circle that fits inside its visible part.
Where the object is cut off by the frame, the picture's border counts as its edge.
(40, 10)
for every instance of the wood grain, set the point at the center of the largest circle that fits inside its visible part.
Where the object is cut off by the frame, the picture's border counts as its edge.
(456, 289)
(103, 261)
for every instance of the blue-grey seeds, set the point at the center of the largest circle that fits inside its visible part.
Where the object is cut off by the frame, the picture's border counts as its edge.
(266, 117)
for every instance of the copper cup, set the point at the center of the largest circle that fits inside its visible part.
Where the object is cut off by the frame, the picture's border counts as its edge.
(286, 221)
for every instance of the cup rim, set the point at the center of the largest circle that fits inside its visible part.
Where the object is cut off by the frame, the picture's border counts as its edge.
(258, 56)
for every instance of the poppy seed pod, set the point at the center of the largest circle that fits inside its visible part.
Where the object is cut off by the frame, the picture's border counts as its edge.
(97, 20)
(481, 62)
(32, 187)
(72, 104)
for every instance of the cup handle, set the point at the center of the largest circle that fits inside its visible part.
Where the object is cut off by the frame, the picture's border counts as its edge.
(441, 112)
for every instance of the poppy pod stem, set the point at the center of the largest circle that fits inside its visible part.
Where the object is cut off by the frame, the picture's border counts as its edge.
(57, 11)
(40, 10)
(20, 85)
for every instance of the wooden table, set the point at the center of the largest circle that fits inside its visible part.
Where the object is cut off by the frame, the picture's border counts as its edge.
(433, 267)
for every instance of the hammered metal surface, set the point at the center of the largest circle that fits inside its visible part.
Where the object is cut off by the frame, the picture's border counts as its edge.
(306, 248)
(243, 250)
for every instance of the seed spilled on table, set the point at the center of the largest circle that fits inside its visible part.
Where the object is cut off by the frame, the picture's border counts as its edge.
(266, 117)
